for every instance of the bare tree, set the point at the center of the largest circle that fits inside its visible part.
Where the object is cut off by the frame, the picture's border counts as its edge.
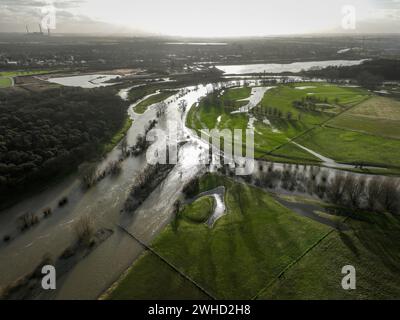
(161, 108)
(27, 220)
(373, 193)
(389, 197)
(123, 146)
(84, 230)
(354, 190)
(335, 190)
(183, 105)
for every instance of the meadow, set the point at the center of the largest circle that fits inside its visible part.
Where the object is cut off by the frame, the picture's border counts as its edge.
(6, 76)
(285, 112)
(246, 249)
(348, 146)
(5, 82)
(371, 246)
(159, 97)
(24, 73)
(262, 250)
(378, 116)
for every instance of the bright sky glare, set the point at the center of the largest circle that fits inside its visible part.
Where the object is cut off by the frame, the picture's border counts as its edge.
(208, 18)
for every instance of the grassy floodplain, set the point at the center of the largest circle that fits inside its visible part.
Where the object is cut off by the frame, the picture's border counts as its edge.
(371, 246)
(353, 147)
(347, 124)
(260, 249)
(198, 211)
(6, 76)
(118, 136)
(5, 82)
(276, 118)
(245, 249)
(25, 73)
(142, 106)
(214, 114)
(377, 116)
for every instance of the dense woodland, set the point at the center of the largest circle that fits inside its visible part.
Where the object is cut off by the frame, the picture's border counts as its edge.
(47, 134)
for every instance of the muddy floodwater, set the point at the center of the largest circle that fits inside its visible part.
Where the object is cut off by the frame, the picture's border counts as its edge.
(285, 67)
(104, 203)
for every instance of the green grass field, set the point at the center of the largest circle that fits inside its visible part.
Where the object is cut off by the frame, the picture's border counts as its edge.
(206, 116)
(379, 127)
(365, 131)
(245, 250)
(118, 136)
(5, 76)
(140, 92)
(378, 108)
(265, 138)
(282, 97)
(5, 82)
(199, 211)
(371, 246)
(25, 73)
(269, 136)
(378, 116)
(263, 250)
(152, 279)
(335, 99)
(235, 94)
(142, 106)
(352, 147)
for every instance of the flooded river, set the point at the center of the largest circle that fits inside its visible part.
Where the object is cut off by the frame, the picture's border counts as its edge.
(284, 67)
(104, 202)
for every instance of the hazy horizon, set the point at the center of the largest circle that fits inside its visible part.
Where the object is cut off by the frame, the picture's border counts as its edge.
(224, 19)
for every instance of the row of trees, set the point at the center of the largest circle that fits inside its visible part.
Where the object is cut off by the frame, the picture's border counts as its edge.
(145, 182)
(311, 103)
(44, 134)
(377, 194)
(273, 112)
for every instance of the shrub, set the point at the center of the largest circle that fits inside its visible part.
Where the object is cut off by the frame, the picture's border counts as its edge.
(63, 202)
(84, 230)
(27, 220)
(191, 188)
(47, 212)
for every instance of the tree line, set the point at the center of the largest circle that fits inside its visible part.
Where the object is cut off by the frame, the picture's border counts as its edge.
(375, 194)
(369, 74)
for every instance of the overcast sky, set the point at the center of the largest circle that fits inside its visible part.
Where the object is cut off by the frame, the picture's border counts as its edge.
(204, 18)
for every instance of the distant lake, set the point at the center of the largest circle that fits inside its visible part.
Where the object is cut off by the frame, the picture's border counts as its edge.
(288, 67)
(85, 81)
